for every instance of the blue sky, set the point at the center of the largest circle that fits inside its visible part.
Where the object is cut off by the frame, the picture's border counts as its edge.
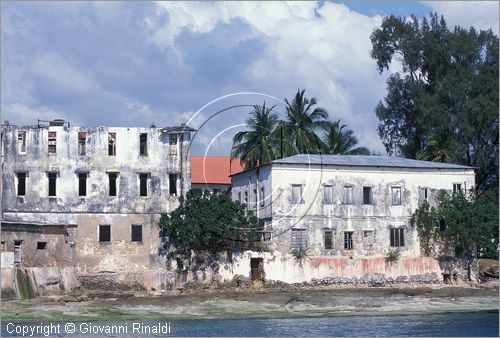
(134, 63)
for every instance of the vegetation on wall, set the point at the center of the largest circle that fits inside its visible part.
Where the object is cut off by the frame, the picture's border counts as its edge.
(207, 222)
(466, 224)
(443, 105)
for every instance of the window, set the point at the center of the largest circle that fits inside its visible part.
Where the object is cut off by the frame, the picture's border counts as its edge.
(246, 197)
(41, 245)
(136, 233)
(172, 184)
(256, 197)
(297, 194)
(368, 239)
(143, 144)
(82, 184)
(104, 233)
(112, 144)
(173, 144)
(328, 239)
(348, 240)
(423, 194)
(397, 237)
(52, 142)
(21, 184)
(367, 195)
(112, 183)
(82, 140)
(143, 184)
(52, 183)
(457, 188)
(396, 195)
(262, 196)
(299, 238)
(348, 195)
(327, 194)
(442, 225)
(239, 196)
(21, 142)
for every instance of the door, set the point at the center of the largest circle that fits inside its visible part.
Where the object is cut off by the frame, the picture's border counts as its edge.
(17, 252)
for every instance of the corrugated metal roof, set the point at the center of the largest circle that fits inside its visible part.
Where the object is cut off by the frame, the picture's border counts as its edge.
(366, 161)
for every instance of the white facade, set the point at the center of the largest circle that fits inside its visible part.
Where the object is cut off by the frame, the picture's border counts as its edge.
(345, 205)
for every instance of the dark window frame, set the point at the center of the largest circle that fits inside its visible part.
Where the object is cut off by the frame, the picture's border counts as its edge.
(348, 242)
(82, 184)
(328, 239)
(136, 233)
(143, 184)
(21, 183)
(367, 195)
(143, 144)
(172, 184)
(112, 182)
(41, 245)
(52, 180)
(397, 237)
(104, 233)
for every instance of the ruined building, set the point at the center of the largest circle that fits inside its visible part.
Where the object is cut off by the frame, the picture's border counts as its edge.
(345, 205)
(89, 198)
(347, 213)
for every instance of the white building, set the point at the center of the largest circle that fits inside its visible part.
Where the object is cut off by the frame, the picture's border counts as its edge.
(345, 205)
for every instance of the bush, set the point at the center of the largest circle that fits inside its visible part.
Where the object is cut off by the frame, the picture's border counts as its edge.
(299, 252)
(393, 256)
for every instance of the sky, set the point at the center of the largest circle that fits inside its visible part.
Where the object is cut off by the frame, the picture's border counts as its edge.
(136, 63)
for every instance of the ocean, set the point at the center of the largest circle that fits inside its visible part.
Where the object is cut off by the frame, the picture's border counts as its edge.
(469, 324)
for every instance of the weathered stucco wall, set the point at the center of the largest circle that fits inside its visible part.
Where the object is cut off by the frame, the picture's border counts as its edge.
(286, 268)
(315, 215)
(69, 223)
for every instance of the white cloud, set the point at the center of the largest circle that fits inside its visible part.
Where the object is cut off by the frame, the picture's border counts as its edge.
(480, 14)
(328, 55)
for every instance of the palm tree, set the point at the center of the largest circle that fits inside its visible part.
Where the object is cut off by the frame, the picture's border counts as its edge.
(301, 123)
(259, 144)
(341, 141)
(437, 149)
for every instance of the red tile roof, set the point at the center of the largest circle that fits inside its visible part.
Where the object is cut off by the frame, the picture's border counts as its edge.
(213, 169)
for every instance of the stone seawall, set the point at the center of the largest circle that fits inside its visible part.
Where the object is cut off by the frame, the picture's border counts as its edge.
(250, 267)
(286, 268)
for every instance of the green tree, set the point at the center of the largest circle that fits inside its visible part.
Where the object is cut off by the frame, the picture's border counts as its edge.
(207, 222)
(303, 119)
(341, 141)
(448, 87)
(426, 221)
(466, 223)
(259, 144)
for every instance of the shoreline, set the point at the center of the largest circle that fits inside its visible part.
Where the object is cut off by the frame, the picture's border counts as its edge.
(264, 304)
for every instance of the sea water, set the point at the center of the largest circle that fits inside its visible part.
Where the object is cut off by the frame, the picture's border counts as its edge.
(484, 324)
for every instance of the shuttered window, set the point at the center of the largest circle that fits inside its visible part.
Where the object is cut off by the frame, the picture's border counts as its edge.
(397, 237)
(327, 194)
(296, 194)
(299, 238)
